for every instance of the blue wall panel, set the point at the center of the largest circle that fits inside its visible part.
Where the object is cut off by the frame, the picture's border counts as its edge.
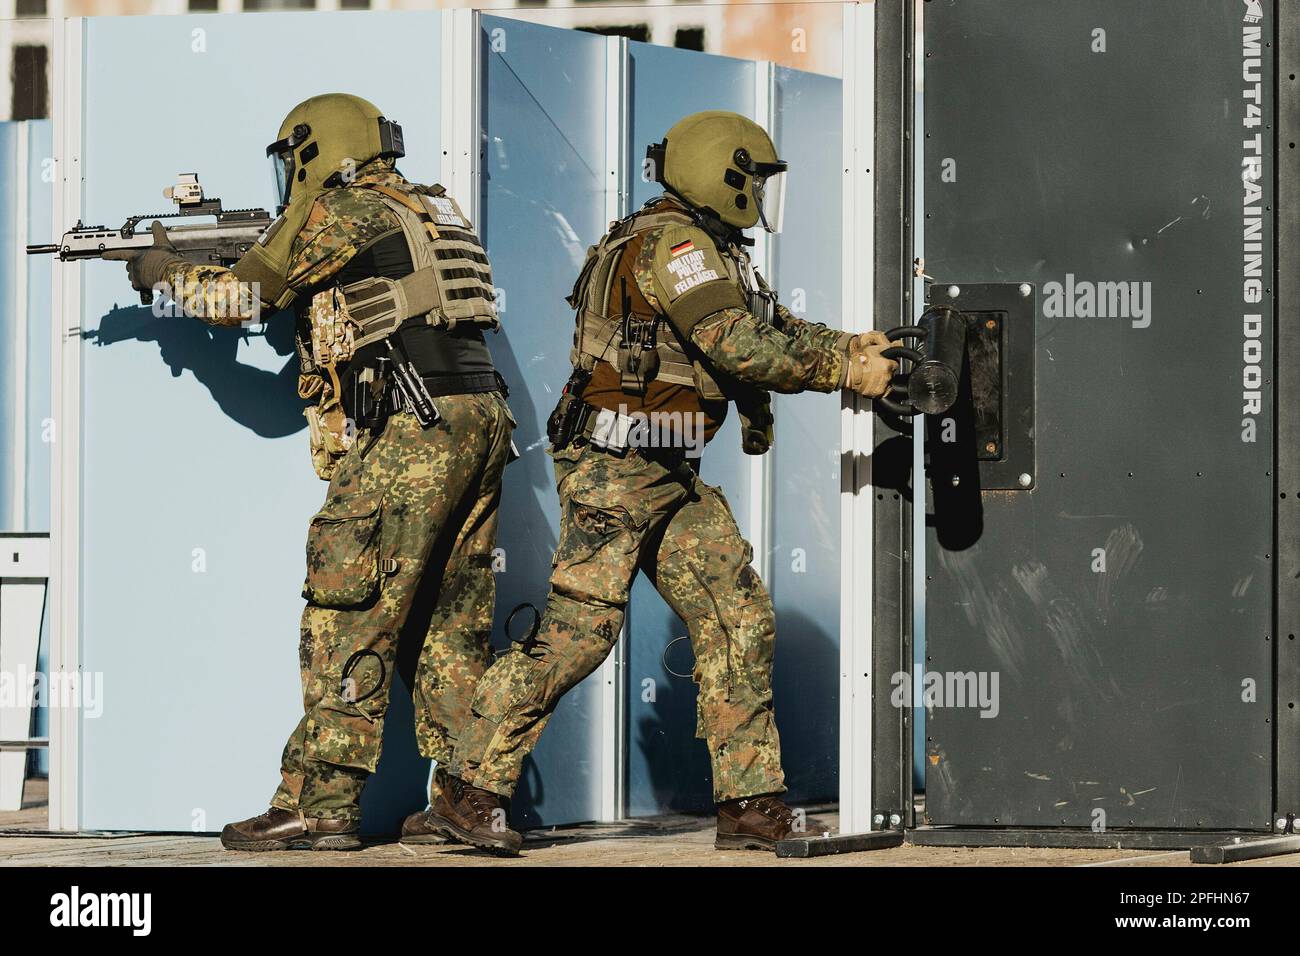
(25, 451)
(543, 205)
(805, 538)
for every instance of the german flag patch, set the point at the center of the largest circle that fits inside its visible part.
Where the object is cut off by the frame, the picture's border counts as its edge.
(682, 247)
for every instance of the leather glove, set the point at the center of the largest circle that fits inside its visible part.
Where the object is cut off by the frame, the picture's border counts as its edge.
(146, 268)
(867, 372)
(865, 340)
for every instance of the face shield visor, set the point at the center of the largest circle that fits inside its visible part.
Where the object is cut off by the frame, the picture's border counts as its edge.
(769, 199)
(767, 188)
(283, 166)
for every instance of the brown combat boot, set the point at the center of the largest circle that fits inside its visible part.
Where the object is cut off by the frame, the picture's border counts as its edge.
(278, 829)
(417, 828)
(475, 816)
(753, 823)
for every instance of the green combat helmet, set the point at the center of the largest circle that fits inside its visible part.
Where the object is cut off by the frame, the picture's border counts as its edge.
(321, 145)
(722, 163)
(324, 140)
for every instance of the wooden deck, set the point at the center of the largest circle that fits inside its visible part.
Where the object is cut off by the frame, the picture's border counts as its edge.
(663, 841)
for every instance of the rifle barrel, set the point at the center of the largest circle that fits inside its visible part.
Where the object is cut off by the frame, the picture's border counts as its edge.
(42, 250)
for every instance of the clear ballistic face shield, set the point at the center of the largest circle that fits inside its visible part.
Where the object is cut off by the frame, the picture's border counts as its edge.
(283, 166)
(769, 198)
(767, 188)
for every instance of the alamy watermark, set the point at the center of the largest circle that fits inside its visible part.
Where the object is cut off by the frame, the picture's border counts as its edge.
(954, 689)
(657, 429)
(77, 690)
(1083, 299)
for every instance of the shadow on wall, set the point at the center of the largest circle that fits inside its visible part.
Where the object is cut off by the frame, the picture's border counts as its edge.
(265, 403)
(808, 723)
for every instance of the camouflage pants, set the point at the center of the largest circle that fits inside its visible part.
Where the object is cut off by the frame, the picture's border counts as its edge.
(621, 515)
(409, 522)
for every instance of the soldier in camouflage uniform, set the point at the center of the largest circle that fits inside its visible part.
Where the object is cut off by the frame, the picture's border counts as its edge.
(393, 293)
(673, 325)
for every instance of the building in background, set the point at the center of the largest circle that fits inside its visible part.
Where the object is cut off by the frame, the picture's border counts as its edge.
(785, 33)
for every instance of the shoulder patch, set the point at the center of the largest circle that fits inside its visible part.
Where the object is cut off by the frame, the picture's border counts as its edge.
(683, 258)
(444, 211)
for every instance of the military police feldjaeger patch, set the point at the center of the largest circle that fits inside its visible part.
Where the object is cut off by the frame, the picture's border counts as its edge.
(685, 260)
(443, 211)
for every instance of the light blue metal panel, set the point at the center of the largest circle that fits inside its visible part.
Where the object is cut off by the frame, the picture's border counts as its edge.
(11, 237)
(40, 424)
(25, 462)
(543, 205)
(197, 486)
(805, 536)
(668, 769)
(40, 201)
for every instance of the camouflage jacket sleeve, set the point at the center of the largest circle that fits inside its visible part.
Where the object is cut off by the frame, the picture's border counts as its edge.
(812, 333)
(339, 224)
(760, 354)
(682, 273)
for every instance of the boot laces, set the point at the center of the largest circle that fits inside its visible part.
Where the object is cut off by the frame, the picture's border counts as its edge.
(772, 807)
(481, 802)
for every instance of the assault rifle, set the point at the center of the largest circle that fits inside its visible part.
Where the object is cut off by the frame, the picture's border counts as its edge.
(221, 242)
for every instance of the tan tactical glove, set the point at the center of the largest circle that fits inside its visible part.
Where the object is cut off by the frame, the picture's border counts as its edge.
(867, 372)
(865, 340)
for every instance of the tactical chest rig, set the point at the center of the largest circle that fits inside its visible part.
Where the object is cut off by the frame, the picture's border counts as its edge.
(450, 283)
(646, 349)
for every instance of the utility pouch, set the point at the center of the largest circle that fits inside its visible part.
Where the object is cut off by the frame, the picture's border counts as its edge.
(330, 432)
(332, 329)
(343, 545)
(330, 435)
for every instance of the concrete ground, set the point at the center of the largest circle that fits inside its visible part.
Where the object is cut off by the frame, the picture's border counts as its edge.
(663, 841)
